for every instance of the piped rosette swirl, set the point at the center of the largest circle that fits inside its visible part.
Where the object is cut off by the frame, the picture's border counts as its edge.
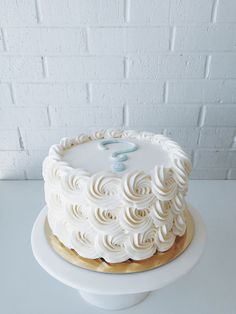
(136, 190)
(104, 221)
(161, 214)
(74, 184)
(165, 239)
(111, 247)
(102, 190)
(142, 245)
(163, 183)
(83, 242)
(135, 220)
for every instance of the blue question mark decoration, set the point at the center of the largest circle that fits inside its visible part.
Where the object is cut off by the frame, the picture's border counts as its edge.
(119, 156)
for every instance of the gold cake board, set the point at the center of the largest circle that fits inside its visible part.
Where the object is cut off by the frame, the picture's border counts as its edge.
(129, 266)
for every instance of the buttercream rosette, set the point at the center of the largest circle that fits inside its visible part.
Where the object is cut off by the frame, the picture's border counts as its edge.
(135, 220)
(76, 214)
(136, 190)
(164, 185)
(83, 241)
(74, 184)
(161, 214)
(104, 220)
(102, 190)
(165, 238)
(111, 247)
(142, 245)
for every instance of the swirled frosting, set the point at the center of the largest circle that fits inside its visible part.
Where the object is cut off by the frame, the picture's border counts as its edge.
(136, 189)
(142, 245)
(163, 184)
(102, 190)
(117, 216)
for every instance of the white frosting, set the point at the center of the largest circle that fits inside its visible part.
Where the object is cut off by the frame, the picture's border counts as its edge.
(116, 216)
(136, 190)
(102, 190)
(89, 157)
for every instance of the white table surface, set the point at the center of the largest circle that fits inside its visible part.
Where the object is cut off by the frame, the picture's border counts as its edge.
(26, 288)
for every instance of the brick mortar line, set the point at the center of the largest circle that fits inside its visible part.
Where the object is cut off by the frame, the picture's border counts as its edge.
(199, 138)
(113, 81)
(95, 104)
(13, 93)
(172, 38)
(193, 157)
(4, 40)
(125, 116)
(120, 81)
(214, 11)
(161, 53)
(100, 26)
(127, 11)
(20, 139)
(45, 67)
(201, 117)
(87, 43)
(233, 144)
(49, 117)
(121, 25)
(207, 67)
(71, 81)
(103, 80)
(165, 92)
(38, 11)
(126, 68)
(89, 93)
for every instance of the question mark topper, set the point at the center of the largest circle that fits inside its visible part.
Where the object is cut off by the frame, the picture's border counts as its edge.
(119, 156)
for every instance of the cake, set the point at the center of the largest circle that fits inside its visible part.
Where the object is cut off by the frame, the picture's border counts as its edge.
(116, 194)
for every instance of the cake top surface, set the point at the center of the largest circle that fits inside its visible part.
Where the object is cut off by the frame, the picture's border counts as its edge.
(103, 155)
(119, 152)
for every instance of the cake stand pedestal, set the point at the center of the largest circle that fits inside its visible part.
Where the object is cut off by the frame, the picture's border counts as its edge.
(115, 291)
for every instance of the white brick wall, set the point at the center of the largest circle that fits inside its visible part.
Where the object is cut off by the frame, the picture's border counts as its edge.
(154, 67)
(163, 115)
(85, 68)
(71, 66)
(154, 12)
(89, 116)
(127, 93)
(50, 93)
(85, 12)
(205, 38)
(41, 41)
(21, 68)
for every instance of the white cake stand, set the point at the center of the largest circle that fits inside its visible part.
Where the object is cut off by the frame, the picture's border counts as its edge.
(115, 291)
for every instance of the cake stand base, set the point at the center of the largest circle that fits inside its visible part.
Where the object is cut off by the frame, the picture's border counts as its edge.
(115, 291)
(113, 302)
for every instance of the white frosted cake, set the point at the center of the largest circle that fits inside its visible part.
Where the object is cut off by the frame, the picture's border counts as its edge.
(117, 194)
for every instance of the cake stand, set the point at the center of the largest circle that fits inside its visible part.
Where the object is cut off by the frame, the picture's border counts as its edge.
(115, 291)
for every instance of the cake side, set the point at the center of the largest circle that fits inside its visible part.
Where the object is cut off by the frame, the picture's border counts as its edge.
(116, 216)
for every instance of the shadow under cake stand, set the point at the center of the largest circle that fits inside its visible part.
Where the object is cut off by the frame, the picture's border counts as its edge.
(115, 291)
